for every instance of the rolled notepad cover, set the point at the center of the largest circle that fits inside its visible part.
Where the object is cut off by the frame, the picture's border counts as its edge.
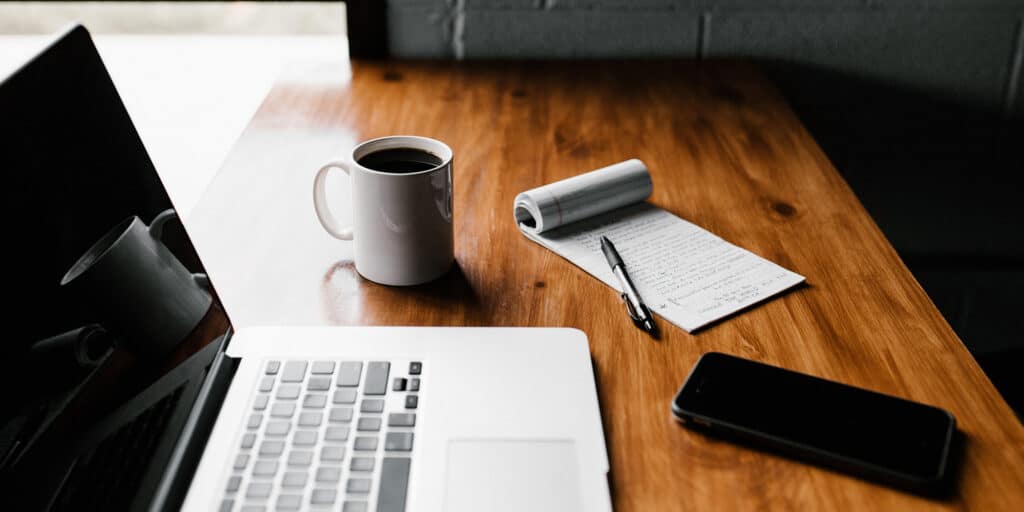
(567, 201)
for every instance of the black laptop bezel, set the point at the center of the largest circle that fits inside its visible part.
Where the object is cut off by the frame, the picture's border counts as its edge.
(207, 374)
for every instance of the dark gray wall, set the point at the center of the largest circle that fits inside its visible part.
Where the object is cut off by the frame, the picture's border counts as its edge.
(969, 50)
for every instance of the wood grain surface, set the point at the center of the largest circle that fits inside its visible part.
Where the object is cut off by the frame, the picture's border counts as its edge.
(725, 152)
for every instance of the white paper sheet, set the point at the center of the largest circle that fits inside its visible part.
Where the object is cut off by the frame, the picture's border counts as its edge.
(684, 273)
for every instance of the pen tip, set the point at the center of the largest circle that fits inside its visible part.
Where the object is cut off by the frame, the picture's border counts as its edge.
(649, 326)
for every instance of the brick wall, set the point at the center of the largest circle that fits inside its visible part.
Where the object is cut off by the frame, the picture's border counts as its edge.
(968, 50)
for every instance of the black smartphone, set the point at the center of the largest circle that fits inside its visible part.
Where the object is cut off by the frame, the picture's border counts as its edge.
(871, 435)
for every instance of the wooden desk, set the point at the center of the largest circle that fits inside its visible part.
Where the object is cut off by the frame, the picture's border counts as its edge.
(725, 152)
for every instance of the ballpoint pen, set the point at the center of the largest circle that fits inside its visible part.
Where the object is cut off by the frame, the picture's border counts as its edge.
(638, 312)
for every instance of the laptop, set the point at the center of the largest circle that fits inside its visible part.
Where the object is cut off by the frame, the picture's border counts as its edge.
(126, 387)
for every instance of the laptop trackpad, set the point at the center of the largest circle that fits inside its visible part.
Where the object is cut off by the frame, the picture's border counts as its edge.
(512, 475)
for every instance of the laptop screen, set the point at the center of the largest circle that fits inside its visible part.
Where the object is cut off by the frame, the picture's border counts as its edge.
(94, 253)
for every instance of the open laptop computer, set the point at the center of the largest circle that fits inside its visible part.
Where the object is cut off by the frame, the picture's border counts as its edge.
(184, 413)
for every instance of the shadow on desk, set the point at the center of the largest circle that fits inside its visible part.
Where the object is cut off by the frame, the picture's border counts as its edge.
(947, 493)
(941, 177)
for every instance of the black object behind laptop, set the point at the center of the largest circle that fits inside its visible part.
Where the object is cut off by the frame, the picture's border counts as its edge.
(868, 434)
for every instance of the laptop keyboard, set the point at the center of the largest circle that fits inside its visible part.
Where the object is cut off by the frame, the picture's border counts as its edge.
(327, 435)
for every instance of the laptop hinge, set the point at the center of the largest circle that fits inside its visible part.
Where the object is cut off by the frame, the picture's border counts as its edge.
(180, 468)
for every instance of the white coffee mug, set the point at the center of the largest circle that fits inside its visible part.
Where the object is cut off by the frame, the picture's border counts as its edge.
(139, 289)
(402, 227)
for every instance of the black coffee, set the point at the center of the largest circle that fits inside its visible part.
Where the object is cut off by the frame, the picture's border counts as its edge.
(400, 160)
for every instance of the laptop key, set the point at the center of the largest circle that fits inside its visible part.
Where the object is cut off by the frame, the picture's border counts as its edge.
(354, 506)
(241, 461)
(323, 496)
(372, 405)
(314, 401)
(358, 485)
(294, 479)
(300, 458)
(278, 428)
(282, 410)
(304, 438)
(289, 502)
(414, 384)
(398, 442)
(332, 454)
(412, 401)
(265, 468)
(336, 434)
(248, 440)
(319, 384)
(255, 420)
(227, 505)
(415, 368)
(349, 373)
(345, 396)
(398, 384)
(266, 384)
(394, 484)
(294, 371)
(271, 448)
(234, 483)
(402, 419)
(258, 490)
(322, 368)
(362, 464)
(376, 378)
(311, 419)
(368, 425)
(328, 474)
(260, 402)
(272, 367)
(288, 392)
(365, 444)
(340, 415)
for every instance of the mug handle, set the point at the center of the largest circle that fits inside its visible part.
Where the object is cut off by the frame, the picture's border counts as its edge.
(201, 280)
(156, 227)
(156, 230)
(323, 212)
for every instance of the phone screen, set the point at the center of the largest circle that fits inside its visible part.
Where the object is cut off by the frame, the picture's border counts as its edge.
(844, 421)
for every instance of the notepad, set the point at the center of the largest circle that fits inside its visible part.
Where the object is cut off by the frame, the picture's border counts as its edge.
(686, 274)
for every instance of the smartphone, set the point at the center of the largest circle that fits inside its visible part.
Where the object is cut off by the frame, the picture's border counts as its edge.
(868, 434)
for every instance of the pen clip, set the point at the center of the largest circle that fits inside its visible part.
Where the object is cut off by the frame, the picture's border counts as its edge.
(629, 308)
